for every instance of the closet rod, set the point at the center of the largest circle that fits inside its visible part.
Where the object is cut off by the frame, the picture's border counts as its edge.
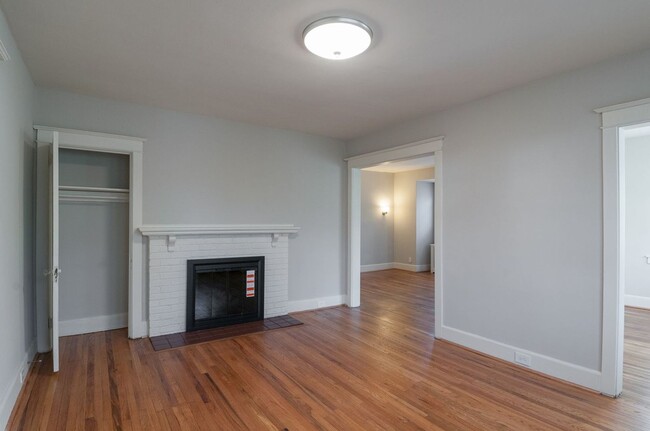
(93, 189)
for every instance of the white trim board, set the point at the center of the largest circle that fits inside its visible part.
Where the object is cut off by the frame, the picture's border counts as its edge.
(411, 267)
(395, 265)
(11, 395)
(316, 303)
(637, 301)
(544, 364)
(402, 152)
(377, 267)
(216, 229)
(85, 133)
(93, 324)
(621, 106)
(615, 119)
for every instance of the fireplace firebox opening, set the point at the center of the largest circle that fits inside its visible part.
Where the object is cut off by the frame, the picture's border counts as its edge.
(224, 291)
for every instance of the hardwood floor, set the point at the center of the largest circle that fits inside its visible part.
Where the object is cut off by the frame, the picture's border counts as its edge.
(373, 368)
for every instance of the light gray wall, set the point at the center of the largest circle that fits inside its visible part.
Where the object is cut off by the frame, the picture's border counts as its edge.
(207, 170)
(94, 246)
(423, 222)
(16, 214)
(405, 214)
(93, 169)
(523, 242)
(376, 229)
(94, 252)
(637, 216)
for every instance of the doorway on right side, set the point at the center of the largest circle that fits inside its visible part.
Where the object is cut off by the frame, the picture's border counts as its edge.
(636, 259)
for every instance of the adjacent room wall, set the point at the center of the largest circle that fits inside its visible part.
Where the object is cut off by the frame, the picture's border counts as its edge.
(203, 170)
(406, 216)
(523, 240)
(16, 214)
(376, 229)
(423, 222)
(637, 221)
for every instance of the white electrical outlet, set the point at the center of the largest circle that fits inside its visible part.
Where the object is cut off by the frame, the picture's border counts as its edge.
(523, 359)
(410, 260)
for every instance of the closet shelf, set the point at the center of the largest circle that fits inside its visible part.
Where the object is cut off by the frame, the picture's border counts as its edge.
(80, 194)
(92, 189)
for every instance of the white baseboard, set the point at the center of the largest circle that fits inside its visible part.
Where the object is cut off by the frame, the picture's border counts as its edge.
(315, 303)
(395, 265)
(377, 267)
(11, 395)
(93, 324)
(411, 267)
(569, 372)
(637, 301)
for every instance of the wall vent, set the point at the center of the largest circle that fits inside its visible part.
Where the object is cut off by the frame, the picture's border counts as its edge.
(4, 54)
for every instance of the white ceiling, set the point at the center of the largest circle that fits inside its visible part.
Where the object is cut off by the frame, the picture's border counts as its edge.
(404, 165)
(244, 59)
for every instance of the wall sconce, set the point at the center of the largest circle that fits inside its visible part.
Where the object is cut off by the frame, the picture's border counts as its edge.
(384, 210)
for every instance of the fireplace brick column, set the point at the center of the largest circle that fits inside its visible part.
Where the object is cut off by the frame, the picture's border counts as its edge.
(168, 255)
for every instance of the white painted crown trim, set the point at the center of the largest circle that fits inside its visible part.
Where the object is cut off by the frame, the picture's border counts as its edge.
(216, 229)
(625, 105)
(402, 152)
(86, 133)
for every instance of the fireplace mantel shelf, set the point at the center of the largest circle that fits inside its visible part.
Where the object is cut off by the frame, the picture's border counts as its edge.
(216, 229)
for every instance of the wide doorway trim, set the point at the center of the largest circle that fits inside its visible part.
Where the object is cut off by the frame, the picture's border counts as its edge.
(427, 147)
(616, 120)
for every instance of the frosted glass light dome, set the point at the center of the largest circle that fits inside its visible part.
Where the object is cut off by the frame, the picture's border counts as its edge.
(337, 38)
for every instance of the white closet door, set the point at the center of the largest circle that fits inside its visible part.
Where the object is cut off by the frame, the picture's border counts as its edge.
(54, 271)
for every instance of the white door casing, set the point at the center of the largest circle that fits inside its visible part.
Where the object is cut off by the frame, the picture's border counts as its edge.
(133, 147)
(615, 119)
(425, 147)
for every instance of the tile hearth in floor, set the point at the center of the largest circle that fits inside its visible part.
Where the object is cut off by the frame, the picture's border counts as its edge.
(181, 339)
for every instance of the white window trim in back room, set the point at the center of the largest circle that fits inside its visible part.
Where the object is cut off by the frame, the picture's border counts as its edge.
(614, 121)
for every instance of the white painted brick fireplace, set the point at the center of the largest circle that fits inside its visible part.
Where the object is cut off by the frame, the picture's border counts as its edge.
(170, 247)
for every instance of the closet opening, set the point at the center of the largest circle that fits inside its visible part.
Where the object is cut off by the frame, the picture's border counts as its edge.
(94, 241)
(89, 273)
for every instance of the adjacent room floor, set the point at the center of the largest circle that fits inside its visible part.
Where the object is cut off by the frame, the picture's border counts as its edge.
(373, 368)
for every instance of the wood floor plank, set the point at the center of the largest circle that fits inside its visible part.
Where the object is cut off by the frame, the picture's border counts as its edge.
(376, 367)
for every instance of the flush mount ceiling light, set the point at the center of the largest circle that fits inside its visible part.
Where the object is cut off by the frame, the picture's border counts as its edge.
(337, 38)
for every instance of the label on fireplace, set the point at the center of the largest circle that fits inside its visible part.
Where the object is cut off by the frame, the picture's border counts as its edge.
(250, 284)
